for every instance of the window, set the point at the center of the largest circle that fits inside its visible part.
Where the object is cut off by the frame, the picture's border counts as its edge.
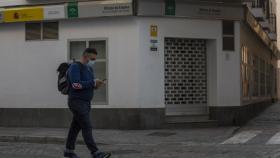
(76, 48)
(33, 31)
(228, 27)
(262, 77)
(256, 76)
(50, 30)
(41, 31)
(268, 79)
(245, 70)
(275, 80)
(228, 36)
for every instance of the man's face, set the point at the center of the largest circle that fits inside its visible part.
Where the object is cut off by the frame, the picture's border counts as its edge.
(90, 57)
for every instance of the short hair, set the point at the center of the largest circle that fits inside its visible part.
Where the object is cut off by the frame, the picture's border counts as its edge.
(90, 51)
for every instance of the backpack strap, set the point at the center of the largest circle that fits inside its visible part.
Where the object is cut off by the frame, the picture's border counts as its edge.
(81, 67)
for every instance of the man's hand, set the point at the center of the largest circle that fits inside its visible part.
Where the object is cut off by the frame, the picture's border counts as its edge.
(98, 83)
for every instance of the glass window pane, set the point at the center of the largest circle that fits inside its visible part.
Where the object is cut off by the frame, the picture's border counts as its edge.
(50, 30)
(228, 43)
(100, 46)
(228, 27)
(76, 49)
(256, 76)
(100, 95)
(33, 31)
(100, 67)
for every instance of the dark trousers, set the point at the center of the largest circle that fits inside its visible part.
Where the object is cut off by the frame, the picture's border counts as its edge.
(81, 121)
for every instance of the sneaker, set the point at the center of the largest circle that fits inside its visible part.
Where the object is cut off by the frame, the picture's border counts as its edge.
(70, 155)
(101, 155)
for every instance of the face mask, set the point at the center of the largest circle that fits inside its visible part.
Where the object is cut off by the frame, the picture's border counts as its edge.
(91, 63)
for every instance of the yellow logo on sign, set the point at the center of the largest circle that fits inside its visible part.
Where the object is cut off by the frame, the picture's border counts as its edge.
(154, 31)
(24, 14)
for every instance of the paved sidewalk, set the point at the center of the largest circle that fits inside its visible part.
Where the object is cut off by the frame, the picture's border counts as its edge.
(260, 138)
(270, 117)
(119, 137)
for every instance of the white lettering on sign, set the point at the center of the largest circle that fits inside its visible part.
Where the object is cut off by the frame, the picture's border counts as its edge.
(54, 12)
(100, 9)
(209, 11)
(117, 9)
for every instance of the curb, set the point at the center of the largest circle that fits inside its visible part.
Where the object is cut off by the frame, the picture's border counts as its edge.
(38, 139)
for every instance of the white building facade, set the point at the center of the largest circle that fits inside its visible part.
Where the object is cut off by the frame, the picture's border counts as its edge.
(164, 62)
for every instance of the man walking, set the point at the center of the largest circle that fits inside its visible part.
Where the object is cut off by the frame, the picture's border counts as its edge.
(82, 84)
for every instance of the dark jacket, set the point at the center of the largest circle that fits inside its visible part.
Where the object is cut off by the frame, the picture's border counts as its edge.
(82, 82)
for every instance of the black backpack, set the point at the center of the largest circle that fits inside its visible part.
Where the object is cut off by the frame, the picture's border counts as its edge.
(63, 84)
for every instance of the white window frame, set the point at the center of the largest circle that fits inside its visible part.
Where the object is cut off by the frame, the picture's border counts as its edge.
(42, 31)
(87, 40)
(230, 36)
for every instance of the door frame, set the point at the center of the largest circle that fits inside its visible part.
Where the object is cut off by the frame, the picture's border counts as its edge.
(211, 70)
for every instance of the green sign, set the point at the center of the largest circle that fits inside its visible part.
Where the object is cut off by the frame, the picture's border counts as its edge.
(170, 7)
(73, 10)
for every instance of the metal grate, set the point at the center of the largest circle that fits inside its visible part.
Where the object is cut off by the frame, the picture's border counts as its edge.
(185, 71)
